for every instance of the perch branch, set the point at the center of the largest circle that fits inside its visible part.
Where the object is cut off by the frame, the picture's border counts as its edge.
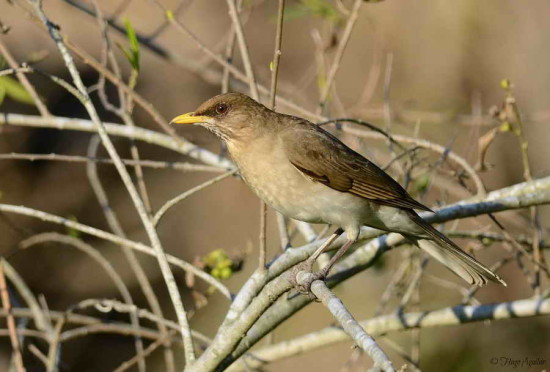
(518, 196)
(381, 325)
(350, 326)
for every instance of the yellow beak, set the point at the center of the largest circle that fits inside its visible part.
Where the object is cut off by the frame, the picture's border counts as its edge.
(189, 118)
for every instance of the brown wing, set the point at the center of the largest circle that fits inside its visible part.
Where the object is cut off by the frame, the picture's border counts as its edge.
(324, 158)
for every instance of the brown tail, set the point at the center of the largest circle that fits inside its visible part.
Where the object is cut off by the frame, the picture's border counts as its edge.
(450, 255)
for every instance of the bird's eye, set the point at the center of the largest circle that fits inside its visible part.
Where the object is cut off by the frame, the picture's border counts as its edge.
(221, 108)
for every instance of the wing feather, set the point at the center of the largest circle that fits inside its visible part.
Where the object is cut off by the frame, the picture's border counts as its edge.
(325, 159)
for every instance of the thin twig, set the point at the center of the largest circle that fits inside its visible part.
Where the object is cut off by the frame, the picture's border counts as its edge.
(96, 256)
(234, 14)
(229, 49)
(37, 353)
(149, 136)
(488, 237)
(106, 305)
(527, 175)
(4, 295)
(283, 233)
(340, 51)
(387, 91)
(115, 239)
(277, 54)
(115, 226)
(148, 351)
(124, 110)
(154, 164)
(172, 202)
(520, 248)
(80, 320)
(40, 106)
(217, 58)
(40, 317)
(262, 256)
(480, 188)
(138, 203)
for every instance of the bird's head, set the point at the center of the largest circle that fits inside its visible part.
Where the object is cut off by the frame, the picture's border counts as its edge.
(230, 116)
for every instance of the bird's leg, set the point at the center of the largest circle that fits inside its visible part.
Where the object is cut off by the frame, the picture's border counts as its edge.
(325, 245)
(343, 249)
(304, 286)
(307, 265)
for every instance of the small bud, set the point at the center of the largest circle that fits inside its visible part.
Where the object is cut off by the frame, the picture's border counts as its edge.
(506, 84)
(505, 127)
(486, 241)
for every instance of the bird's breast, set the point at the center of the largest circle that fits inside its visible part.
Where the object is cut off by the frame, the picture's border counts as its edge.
(264, 166)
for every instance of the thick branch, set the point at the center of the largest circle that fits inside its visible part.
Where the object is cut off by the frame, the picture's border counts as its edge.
(449, 316)
(517, 196)
(183, 147)
(350, 326)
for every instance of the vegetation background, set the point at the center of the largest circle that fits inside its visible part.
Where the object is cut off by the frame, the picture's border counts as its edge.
(426, 68)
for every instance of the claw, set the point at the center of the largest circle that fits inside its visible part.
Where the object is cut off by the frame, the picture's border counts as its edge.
(304, 276)
(305, 279)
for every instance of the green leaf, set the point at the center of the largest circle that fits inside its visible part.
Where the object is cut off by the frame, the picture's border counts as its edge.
(170, 15)
(220, 265)
(506, 84)
(73, 232)
(317, 8)
(134, 43)
(295, 12)
(2, 94)
(132, 53)
(422, 183)
(505, 127)
(487, 241)
(14, 90)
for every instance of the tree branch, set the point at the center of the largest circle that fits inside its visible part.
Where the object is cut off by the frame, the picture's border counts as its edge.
(183, 147)
(518, 196)
(380, 325)
(114, 239)
(350, 326)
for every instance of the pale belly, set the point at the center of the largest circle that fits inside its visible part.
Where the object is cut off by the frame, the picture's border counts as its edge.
(298, 197)
(278, 183)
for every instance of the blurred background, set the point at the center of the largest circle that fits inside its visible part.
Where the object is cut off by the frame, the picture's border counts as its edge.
(431, 69)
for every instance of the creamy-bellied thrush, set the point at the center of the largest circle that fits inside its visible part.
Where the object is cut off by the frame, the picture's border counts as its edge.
(307, 174)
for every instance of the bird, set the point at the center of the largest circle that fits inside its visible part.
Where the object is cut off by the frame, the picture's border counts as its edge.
(308, 174)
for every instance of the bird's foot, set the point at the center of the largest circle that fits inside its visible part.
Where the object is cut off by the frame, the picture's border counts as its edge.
(305, 279)
(303, 276)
